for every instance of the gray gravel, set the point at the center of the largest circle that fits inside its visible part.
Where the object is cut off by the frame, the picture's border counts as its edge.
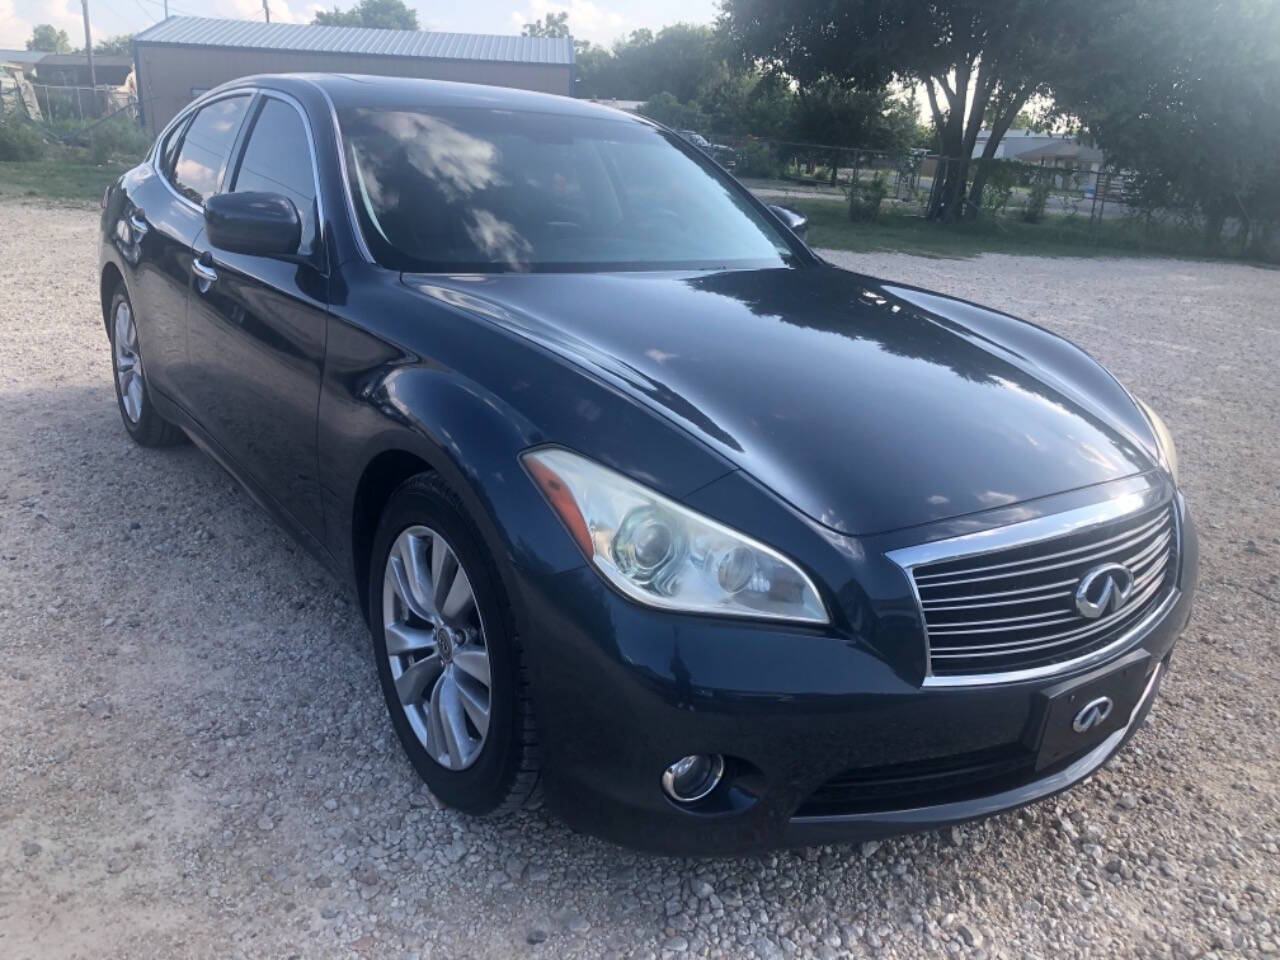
(195, 761)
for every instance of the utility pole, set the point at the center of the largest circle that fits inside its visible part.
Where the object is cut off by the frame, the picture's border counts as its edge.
(266, 9)
(88, 44)
(166, 9)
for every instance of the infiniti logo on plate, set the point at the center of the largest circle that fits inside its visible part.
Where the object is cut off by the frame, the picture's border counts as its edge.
(1092, 714)
(1104, 589)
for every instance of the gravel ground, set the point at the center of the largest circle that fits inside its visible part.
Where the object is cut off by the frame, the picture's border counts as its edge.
(195, 761)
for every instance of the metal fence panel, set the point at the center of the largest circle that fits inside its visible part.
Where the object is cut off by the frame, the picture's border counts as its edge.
(79, 104)
(910, 182)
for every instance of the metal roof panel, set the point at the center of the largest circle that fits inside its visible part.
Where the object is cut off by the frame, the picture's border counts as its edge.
(248, 34)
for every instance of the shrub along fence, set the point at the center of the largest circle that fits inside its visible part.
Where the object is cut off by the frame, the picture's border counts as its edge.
(876, 181)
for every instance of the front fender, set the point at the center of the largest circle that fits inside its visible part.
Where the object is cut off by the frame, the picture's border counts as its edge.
(473, 440)
(465, 396)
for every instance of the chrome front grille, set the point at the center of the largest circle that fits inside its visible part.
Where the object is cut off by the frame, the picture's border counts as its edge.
(1014, 609)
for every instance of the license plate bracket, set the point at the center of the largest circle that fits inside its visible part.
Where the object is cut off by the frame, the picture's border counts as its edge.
(1078, 714)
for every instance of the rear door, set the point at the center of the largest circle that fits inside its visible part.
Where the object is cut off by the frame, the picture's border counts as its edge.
(165, 216)
(256, 325)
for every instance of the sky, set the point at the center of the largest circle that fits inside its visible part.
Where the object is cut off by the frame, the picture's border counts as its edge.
(600, 21)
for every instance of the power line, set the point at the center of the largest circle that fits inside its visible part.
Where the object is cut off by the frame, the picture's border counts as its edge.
(169, 7)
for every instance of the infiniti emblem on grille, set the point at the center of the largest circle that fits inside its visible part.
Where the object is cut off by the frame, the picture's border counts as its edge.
(1104, 589)
(1092, 714)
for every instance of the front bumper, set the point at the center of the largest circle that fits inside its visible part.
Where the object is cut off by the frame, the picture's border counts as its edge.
(621, 691)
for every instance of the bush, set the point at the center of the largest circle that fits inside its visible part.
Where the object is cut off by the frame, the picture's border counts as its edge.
(865, 199)
(756, 159)
(119, 138)
(20, 139)
(1033, 212)
(667, 109)
(1001, 178)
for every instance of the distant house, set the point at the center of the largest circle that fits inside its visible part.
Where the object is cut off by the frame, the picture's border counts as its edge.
(72, 70)
(630, 106)
(1047, 149)
(182, 57)
(22, 61)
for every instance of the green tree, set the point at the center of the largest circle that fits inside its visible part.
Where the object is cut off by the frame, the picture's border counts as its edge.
(121, 45)
(1184, 97)
(666, 109)
(45, 37)
(677, 59)
(975, 58)
(834, 113)
(381, 14)
(596, 69)
(690, 78)
(552, 25)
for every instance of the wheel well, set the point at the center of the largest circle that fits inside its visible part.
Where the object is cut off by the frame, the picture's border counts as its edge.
(381, 477)
(111, 278)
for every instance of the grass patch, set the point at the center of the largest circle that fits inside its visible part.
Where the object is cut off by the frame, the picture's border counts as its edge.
(58, 179)
(829, 226)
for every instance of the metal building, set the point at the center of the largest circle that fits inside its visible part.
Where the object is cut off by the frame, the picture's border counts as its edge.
(180, 58)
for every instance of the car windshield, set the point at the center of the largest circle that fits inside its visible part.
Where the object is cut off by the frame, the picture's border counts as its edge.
(476, 189)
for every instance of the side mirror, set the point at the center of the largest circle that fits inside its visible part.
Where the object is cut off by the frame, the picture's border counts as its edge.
(798, 223)
(258, 224)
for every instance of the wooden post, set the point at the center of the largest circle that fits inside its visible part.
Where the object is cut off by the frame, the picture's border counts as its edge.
(88, 44)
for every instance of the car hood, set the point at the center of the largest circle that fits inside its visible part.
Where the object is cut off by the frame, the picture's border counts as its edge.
(866, 405)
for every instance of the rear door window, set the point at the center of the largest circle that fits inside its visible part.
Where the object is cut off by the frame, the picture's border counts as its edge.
(169, 149)
(206, 147)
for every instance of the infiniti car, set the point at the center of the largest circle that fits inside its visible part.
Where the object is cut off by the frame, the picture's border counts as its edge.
(652, 513)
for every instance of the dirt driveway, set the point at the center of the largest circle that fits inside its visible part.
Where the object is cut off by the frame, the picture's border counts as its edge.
(195, 761)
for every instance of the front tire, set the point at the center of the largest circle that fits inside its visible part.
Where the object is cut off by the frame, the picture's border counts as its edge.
(144, 423)
(451, 668)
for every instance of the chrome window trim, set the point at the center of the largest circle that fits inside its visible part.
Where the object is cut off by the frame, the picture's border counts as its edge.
(191, 108)
(181, 117)
(292, 101)
(345, 186)
(1026, 533)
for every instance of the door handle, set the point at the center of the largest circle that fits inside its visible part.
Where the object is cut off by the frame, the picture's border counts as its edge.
(202, 267)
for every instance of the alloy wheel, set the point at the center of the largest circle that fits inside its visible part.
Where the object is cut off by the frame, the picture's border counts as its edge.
(128, 362)
(435, 643)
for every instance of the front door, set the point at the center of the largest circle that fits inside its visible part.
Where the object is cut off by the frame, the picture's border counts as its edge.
(164, 218)
(256, 327)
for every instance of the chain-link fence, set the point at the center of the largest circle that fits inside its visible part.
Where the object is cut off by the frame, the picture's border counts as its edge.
(59, 105)
(65, 104)
(918, 182)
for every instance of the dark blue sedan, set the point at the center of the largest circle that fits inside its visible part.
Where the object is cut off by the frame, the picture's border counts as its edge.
(648, 508)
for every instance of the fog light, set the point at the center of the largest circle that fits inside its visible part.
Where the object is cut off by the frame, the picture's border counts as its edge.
(693, 777)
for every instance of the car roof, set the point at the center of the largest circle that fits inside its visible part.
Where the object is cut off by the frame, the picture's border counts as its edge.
(401, 93)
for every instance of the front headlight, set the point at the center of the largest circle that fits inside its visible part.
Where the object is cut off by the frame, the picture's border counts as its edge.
(663, 554)
(1164, 439)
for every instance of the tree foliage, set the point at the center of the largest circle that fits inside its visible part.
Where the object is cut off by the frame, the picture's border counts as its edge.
(1186, 97)
(380, 14)
(121, 45)
(678, 59)
(690, 78)
(974, 58)
(552, 25)
(47, 38)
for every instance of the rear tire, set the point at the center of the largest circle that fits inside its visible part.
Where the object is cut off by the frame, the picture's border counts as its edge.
(434, 591)
(141, 419)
